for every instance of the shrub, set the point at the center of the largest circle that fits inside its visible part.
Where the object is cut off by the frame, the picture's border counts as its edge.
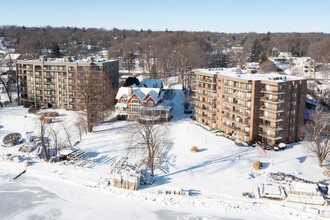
(12, 139)
(53, 114)
(48, 120)
(50, 114)
(33, 110)
(194, 149)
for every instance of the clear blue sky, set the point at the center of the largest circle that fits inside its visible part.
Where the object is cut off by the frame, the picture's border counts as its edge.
(204, 15)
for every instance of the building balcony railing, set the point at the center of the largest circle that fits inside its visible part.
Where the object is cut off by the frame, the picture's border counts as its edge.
(206, 117)
(236, 104)
(267, 126)
(205, 95)
(275, 138)
(206, 89)
(264, 108)
(207, 81)
(273, 92)
(204, 109)
(236, 129)
(239, 122)
(212, 105)
(244, 115)
(275, 101)
(236, 96)
(271, 119)
(237, 88)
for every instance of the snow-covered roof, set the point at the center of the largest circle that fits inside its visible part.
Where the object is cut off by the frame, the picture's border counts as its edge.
(160, 106)
(151, 83)
(67, 151)
(141, 93)
(120, 104)
(272, 77)
(62, 60)
(13, 56)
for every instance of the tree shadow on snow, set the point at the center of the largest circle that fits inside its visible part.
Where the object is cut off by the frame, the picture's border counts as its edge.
(232, 158)
(301, 159)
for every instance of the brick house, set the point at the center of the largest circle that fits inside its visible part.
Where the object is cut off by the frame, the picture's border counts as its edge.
(140, 103)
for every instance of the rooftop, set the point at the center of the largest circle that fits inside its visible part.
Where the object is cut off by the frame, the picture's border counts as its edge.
(71, 60)
(141, 92)
(271, 77)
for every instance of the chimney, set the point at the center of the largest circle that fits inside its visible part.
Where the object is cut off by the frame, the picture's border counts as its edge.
(43, 58)
(130, 91)
(67, 59)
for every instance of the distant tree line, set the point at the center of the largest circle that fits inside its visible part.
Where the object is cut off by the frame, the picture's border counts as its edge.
(165, 52)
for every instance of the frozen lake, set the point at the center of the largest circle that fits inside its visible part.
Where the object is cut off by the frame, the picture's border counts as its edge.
(31, 198)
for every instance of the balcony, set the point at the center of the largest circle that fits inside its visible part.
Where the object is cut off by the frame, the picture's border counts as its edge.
(275, 92)
(262, 134)
(205, 96)
(268, 126)
(274, 101)
(235, 104)
(239, 122)
(237, 88)
(205, 117)
(204, 109)
(271, 119)
(244, 115)
(264, 108)
(206, 89)
(207, 81)
(236, 129)
(236, 96)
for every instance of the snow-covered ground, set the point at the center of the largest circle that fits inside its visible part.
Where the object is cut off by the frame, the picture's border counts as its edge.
(216, 176)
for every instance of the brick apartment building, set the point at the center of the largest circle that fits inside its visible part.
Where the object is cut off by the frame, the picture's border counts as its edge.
(252, 107)
(54, 82)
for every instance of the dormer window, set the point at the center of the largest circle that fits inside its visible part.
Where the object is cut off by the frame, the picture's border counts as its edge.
(150, 103)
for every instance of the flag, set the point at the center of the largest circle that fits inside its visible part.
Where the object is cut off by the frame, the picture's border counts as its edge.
(259, 148)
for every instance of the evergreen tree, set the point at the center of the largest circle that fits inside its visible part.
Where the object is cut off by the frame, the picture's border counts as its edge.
(129, 60)
(256, 51)
(55, 50)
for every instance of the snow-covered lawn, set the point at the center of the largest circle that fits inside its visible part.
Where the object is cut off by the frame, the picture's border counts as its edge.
(216, 176)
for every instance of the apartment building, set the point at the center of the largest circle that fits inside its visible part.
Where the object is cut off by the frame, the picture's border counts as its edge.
(251, 107)
(54, 83)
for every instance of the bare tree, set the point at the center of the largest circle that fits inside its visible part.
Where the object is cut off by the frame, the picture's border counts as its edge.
(43, 129)
(318, 131)
(92, 93)
(148, 139)
(11, 79)
(267, 66)
(81, 124)
(54, 130)
(67, 133)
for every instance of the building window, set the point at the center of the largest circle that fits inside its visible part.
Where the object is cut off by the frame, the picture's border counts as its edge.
(134, 106)
(150, 103)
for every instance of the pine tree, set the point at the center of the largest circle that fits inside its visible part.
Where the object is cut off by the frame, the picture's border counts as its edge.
(256, 51)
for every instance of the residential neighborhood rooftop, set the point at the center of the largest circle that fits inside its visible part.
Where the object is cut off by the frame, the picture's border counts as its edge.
(239, 74)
